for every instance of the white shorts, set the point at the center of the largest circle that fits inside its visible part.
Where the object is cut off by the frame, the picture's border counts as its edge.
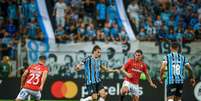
(24, 93)
(133, 89)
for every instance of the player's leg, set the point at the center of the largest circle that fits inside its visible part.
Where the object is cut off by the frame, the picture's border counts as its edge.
(171, 91)
(102, 95)
(135, 98)
(36, 95)
(92, 94)
(101, 91)
(179, 92)
(23, 94)
(136, 91)
(124, 90)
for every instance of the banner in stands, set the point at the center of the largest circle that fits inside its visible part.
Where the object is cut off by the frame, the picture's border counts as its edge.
(63, 57)
(57, 88)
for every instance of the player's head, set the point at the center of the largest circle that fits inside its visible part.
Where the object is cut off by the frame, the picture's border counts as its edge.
(138, 55)
(42, 59)
(96, 51)
(174, 46)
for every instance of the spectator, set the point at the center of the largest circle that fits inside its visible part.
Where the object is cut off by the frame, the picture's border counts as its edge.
(114, 32)
(101, 13)
(24, 12)
(111, 13)
(60, 10)
(91, 33)
(32, 10)
(106, 32)
(5, 68)
(60, 34)
(11, 28)
(133, 11)
(32, 28)
(12, 11)
(89, 7)
(123, 35)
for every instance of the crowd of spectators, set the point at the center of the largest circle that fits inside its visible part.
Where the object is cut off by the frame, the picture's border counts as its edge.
(87, 20)
(166, 19)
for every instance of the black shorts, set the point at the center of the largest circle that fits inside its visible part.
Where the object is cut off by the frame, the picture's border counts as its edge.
(94, 88)
(175, 90)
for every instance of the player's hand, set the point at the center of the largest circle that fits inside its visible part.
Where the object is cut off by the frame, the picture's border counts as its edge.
(129, 75)
(153, 85)
(77, 68)
(192, 82)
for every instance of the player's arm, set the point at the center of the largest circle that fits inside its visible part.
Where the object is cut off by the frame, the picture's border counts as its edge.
(43, 79)
(162, 70)
(78, 67)
(190, 73)
(149, 79)
(108, 69)
(123, 69)
(23, 78)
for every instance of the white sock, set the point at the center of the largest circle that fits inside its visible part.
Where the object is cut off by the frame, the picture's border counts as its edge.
(170, 100)
(101, 99)
(87, 99)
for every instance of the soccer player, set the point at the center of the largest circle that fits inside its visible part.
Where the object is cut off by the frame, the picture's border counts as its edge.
(92, 67)
(33, 80)
(133, 69)
(175, 63)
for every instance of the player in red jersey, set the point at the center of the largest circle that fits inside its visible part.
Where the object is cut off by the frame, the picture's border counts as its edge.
(33, 80)
(133, 69)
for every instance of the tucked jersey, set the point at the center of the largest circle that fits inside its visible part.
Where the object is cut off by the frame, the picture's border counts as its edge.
(33, 79)
(92, 70)
(175, 67)
(135, 68)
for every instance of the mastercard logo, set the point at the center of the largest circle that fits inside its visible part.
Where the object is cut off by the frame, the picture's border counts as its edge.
(60, 89)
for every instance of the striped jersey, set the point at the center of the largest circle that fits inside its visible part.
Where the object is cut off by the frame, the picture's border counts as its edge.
(92, 70)
(175, 67)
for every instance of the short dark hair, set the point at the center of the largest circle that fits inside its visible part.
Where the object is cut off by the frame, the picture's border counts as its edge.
(95, 48)
(175, 45)
(42, 57)
(139, 51)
